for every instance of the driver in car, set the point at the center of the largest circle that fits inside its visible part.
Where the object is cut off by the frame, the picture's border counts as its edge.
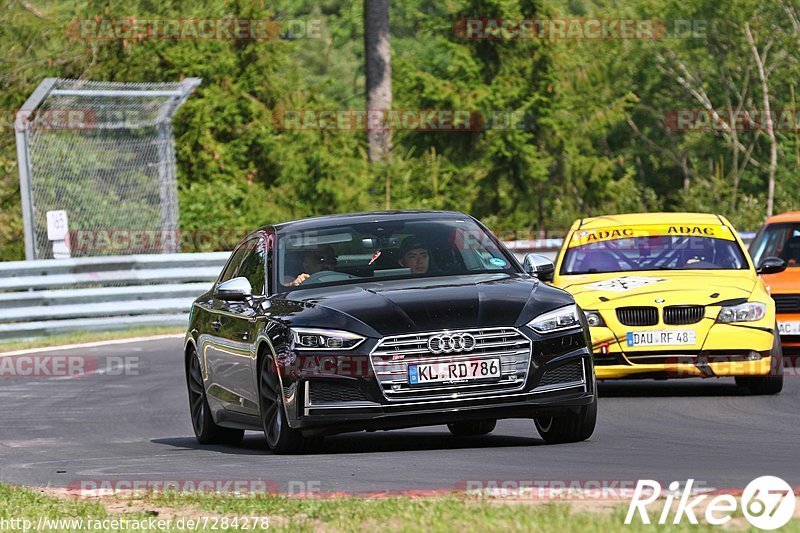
(316, 260)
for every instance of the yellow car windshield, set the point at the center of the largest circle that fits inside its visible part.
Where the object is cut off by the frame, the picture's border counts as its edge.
(652, 248)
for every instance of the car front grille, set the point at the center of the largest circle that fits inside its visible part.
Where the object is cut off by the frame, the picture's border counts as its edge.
(787, 303)
(320, 392)
(637, 316)
(678, 315)
(392, 355)
(571, 372)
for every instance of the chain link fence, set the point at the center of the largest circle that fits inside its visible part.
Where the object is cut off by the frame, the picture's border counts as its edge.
(104, 153)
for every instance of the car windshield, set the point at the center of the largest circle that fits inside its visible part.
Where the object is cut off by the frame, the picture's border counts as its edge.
(654, 252)
(393, 249)
(778, 240)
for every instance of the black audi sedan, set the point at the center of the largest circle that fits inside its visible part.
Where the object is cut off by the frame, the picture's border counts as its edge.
(384, 320)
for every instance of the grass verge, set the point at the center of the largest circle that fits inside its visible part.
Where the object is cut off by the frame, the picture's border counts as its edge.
(445, 513)
(87, 336)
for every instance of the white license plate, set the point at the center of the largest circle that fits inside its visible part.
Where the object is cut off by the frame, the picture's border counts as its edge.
(789, 328)
(662, 338)
(476, 369)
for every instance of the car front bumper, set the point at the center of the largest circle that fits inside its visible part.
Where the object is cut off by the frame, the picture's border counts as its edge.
(698, 369)
(331, 420)
(376, 412)
(725, 350)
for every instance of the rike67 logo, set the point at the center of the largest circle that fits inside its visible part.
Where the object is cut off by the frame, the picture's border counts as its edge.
(767, 503)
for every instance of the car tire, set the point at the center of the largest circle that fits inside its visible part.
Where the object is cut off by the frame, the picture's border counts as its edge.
(574, 426)
(281, 439)
(205, 429)
(772, 383)
(472, 428)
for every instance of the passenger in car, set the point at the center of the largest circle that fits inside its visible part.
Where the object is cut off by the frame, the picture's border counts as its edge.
(791, 251)
(414, 255)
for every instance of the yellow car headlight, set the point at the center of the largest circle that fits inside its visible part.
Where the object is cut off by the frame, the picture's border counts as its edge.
(746, 312)
(594, 319)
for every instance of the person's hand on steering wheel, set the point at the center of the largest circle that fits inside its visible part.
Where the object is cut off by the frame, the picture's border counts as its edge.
(299, 279)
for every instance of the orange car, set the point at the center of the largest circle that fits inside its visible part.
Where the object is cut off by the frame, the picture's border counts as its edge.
(780, 237)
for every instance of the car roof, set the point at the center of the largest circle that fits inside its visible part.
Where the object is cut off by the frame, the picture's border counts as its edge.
(631, 219)
(791, 216)
(369, 216)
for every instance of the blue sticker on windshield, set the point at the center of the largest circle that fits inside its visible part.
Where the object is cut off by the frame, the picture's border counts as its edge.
(496, 261)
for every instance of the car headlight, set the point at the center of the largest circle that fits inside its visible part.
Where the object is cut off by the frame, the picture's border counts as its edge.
(560, 319)
(325, 339)
(746, 312)
(594, 319)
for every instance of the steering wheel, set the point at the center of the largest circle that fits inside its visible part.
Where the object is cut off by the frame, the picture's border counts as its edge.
(327, 276)
(700, 265)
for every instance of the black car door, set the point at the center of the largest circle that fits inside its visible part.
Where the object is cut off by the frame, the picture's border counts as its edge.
(221, 350)
(239, 328)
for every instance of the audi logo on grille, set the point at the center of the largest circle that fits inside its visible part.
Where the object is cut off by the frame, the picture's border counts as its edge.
(457, 342)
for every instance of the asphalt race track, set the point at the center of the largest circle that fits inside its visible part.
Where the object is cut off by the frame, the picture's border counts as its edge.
(58, 431)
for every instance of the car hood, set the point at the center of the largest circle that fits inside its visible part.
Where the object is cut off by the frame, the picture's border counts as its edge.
(786, 282)
(606, 291)
(430, 304)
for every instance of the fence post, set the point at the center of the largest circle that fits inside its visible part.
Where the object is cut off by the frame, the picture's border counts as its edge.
(21, 122)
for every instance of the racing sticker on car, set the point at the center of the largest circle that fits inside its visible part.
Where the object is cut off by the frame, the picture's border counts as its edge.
(496, 261)
(592, 236)
(623, 284)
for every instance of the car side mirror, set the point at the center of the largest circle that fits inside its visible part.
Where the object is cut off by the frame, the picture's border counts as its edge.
(539, 266)
(234, 290)
(771, 265)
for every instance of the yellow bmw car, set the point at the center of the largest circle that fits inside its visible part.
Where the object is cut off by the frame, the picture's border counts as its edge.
(672, 295)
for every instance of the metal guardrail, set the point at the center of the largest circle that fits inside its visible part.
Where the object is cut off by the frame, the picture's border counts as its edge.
(40, 298)
(44, 297)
